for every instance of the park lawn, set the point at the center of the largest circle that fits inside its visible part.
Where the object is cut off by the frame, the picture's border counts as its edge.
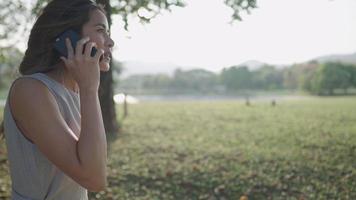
(299, 149)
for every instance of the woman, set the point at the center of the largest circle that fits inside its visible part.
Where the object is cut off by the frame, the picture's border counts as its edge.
(53, 124)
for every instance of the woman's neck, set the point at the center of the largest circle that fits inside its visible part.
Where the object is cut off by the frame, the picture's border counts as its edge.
(61, 75)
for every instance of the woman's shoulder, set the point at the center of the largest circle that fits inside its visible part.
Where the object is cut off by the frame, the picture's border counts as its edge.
(28, 92)
(28, 98)
(27, 87)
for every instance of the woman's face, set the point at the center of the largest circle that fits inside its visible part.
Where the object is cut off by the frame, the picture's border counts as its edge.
(98, 31)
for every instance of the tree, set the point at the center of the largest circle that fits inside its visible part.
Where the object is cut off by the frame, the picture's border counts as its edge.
(145, 10)
(306, 74)
(351, 80)
(13, 15)
(268, 77)
(290, 77)
(235, 78)
(195, 80)
(329, 77)
(8, 70)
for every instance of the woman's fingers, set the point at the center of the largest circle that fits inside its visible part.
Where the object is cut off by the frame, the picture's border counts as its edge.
(64, 60)
(98, 54)
(70, 51)
(82, 53)
(79, 47)
(88, 48)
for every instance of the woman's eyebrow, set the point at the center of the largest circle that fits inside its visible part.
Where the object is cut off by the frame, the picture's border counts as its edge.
(100, 24)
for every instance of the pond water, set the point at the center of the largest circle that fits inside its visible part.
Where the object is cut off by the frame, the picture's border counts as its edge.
(153, 98)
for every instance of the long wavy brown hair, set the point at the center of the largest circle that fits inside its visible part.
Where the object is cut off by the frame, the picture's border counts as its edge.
(55, 18)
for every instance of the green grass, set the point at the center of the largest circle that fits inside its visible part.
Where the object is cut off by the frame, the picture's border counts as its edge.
(301, 149)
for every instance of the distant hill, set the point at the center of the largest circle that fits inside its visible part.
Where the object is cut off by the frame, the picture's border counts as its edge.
(137, 67)
(348, 58)
(253, 64)
(344, 58)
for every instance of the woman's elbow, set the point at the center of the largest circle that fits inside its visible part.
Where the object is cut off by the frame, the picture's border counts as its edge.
(97, 185)
(93, 181)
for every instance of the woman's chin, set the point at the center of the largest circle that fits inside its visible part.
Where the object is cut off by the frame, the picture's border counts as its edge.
(104, 67)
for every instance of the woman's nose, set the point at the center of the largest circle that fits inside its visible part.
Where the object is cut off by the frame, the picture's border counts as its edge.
(111, 42)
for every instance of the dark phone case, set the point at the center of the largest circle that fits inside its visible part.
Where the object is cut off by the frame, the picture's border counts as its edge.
(60, 44)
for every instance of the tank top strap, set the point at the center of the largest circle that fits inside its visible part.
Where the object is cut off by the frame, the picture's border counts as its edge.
(52, 84)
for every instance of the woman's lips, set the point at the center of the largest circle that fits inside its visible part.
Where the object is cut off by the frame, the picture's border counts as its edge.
(106, 57)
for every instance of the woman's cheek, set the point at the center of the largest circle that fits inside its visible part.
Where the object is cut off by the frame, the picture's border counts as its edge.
(100, 42)
(97, 40)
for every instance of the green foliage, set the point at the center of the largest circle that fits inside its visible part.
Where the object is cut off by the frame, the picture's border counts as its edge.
(265, 78)
(239, 5)
(146, 10)
(311, 77)
(268, 77)
(351, 70)
(190, 81)
(235, 78)
(299, 76)
(8, 23)
(148, 81)
(13, 16)
(290, 78)
(196, 80)
(331, 76)
(9, 66)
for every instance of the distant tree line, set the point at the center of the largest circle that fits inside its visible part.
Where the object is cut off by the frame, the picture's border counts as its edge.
(196, 80)
(313, 77)
(321, 79)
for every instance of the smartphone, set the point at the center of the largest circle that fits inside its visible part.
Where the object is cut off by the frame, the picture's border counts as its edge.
(60, 43)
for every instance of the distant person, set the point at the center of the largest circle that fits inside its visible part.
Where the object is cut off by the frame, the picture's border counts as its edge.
(53, 123)
(247, 102)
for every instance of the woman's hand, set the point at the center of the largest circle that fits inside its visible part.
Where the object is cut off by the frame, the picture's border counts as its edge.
(84, 68)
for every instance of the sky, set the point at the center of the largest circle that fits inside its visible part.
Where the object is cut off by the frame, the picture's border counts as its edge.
(277, 32)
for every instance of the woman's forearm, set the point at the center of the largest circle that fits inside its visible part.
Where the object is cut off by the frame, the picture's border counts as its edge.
(92, 145)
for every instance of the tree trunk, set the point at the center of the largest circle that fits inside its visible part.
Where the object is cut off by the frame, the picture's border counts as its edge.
(106, 88)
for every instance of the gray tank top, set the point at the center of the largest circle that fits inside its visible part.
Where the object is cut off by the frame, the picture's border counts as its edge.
(33, 176)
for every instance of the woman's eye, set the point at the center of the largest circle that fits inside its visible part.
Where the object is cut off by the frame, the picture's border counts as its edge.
(104, 31)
